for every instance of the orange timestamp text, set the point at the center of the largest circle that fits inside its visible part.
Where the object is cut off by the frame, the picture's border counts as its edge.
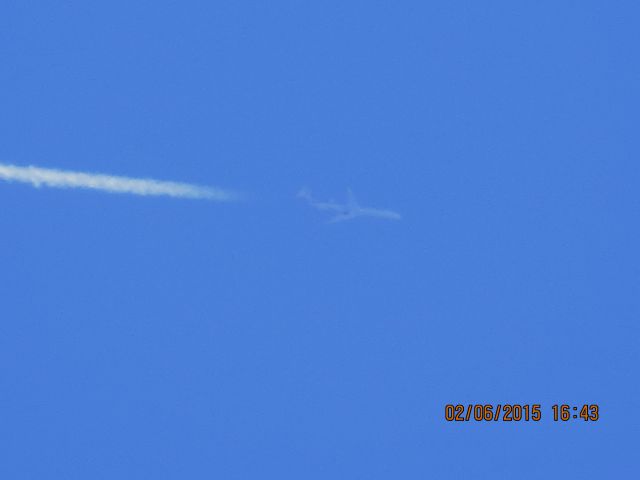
(518, 412)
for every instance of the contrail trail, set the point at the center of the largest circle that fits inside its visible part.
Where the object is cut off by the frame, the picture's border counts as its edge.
(113, 184)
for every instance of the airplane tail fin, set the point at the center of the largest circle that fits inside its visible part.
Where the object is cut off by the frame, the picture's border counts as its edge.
(305, 193)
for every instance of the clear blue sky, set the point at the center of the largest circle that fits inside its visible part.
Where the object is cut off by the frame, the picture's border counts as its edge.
(166, 338)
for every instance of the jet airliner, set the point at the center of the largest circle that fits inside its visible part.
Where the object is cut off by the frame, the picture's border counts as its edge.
(349, 210)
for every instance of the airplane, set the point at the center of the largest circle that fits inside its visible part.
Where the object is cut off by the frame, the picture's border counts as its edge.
(349, 210)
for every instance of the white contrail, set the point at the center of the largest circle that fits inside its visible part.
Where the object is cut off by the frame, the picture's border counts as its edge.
(108, 183)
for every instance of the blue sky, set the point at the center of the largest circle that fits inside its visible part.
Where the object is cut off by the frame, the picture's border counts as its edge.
(170, 338)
